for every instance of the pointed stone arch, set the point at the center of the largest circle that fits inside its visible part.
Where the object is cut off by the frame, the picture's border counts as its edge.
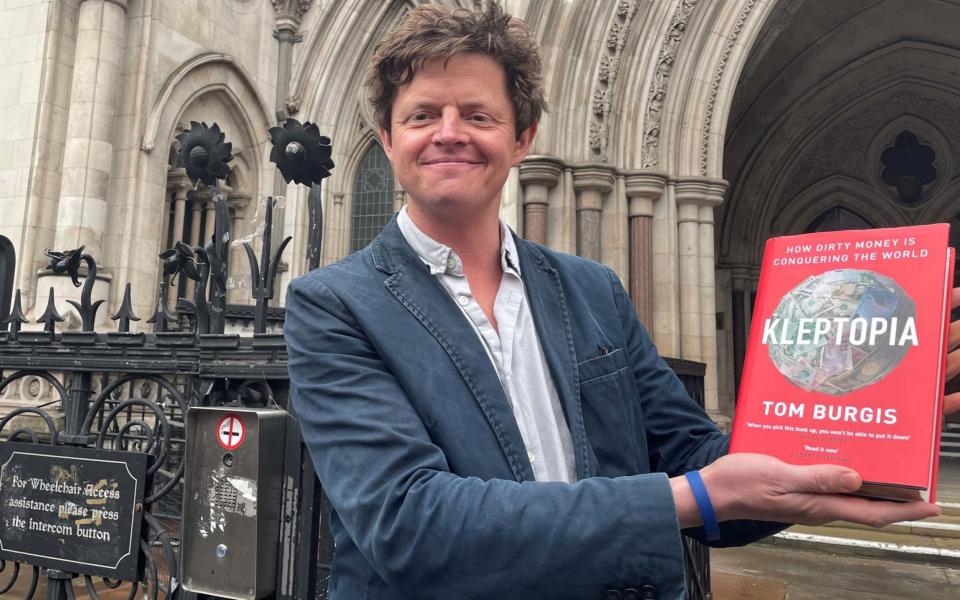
(796, 143)
(691, 143)
(205, 76)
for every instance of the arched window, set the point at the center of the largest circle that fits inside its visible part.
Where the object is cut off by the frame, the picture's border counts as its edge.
(838, 219)
(373, 197)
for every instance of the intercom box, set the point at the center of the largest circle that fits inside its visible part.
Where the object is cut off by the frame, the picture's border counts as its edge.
(231, 501)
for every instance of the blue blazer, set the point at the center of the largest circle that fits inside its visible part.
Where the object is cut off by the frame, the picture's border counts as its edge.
(417, 448)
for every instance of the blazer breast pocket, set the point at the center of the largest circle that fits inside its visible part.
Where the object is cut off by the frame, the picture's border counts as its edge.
(611, 413)
(607, 363)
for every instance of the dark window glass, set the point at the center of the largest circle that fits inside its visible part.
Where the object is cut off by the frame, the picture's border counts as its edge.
(373, 196)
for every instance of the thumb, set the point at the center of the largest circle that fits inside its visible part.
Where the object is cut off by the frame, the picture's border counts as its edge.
(825, 479)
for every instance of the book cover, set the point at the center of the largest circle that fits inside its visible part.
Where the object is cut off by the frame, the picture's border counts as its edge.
(846, 355)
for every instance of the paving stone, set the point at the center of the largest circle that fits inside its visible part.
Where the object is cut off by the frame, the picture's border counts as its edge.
(822, 575)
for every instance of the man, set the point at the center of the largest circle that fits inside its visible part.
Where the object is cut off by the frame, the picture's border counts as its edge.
(488, 417)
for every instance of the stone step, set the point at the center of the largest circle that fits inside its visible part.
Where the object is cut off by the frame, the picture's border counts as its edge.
(950, 506)
(854, 541)
(946, 525)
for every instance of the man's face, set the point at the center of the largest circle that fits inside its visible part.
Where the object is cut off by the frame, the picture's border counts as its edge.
(452, 139)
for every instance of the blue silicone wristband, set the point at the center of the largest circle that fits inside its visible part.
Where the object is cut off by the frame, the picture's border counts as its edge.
(710, 526)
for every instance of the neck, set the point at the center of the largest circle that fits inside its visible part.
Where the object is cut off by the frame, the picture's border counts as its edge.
(474, 237)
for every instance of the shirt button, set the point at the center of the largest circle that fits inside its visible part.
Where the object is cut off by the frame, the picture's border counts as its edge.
(463, 299)
(451, 263)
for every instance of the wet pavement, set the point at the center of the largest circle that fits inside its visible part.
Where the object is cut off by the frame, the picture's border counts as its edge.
(758, 572)
(767, 572)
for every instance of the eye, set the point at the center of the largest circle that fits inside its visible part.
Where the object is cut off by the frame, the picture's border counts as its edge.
(420, 116)
(480, 118)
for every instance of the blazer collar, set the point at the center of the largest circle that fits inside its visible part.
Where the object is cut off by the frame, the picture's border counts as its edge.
(410, 281)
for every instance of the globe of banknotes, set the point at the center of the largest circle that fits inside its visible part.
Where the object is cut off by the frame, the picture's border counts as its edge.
(817, 358)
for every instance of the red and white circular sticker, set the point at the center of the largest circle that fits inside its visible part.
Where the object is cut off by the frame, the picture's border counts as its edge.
(231, 432)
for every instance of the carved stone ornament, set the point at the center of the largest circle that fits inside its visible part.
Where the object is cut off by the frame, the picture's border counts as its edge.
(607, 69)
(715, 84)
(598, 137)
(291, 9)
(661, 80)
(601, 102)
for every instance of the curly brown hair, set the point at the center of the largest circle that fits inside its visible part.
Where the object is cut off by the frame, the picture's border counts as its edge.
(431, 31)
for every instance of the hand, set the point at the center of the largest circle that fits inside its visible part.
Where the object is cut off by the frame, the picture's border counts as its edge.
(756, 486)
(951, 402)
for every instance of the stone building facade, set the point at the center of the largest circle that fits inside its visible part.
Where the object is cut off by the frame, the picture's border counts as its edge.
(681, 134)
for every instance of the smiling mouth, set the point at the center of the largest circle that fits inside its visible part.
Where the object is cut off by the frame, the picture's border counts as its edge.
(450, 162)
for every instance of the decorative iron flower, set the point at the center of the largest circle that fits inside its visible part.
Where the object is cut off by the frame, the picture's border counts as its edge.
(300, 152)
(66, 262)
(204, 153)
(180, 259)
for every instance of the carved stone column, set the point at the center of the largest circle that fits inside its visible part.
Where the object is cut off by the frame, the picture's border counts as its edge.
(88, 148)
(208, 221)
(288, 15)
(537, 175)
(88, 151)
(643, 190)
(177, 180)
(696, 198)
(197, 200)
(591, 182)
(239, 266)
(179, 183)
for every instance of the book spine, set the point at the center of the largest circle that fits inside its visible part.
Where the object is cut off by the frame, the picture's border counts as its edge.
(944, 350)
(755, 321)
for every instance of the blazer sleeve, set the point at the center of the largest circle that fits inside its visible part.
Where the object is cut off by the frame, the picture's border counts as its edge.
(430, 533)
(680, 435)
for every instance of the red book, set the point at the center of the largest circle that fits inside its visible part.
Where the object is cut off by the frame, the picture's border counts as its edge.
(846, 355)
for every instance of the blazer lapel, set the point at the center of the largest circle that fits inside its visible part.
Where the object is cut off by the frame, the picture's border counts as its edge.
(420, 293)
(552, 321)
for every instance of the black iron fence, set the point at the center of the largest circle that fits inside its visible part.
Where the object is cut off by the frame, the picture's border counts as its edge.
(696, 555)
(129, 392)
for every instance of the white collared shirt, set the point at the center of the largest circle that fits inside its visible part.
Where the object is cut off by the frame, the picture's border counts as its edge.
(515, 352)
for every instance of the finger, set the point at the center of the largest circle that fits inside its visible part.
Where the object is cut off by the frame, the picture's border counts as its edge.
(955, 298)
(953, 337)
(953, 365)
(951, 403)
(821, 479)
(876, 513)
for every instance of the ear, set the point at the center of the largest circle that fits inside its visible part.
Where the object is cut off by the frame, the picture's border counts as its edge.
(387, 143)
(524, 141)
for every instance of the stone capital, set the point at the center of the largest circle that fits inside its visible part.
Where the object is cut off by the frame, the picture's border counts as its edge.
(121, 3)
(739, 276)
(292, 10)
(286, 30)
(593, 177)
(648, 184)
(643, 188)
(198, 198)
(179, 183)
(238, 201)
(701, 191)
(541, 170)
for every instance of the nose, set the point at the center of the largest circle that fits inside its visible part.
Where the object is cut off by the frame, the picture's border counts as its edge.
(450, 130)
